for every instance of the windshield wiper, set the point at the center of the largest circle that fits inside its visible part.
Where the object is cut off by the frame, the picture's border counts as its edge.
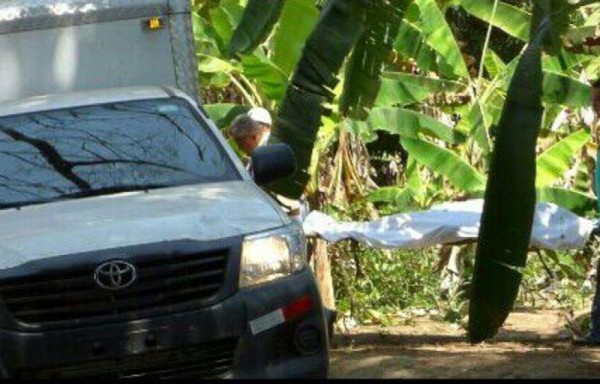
(111, 190)
(87, 193)
(13, 205)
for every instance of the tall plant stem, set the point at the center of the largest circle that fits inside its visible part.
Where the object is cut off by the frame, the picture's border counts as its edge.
(252, 89)
(487, 42)
(242, 90)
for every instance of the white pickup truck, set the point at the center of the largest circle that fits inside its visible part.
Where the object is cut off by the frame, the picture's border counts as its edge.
(133, 242)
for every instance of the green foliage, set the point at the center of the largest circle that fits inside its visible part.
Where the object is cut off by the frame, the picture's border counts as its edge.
(300, 114)
(556, 160)
(374, 285)
(446, 163)
(512, 20)
(408, 123)
(271, 79)
(389, 282)
(577, 202)
(509, 205)
(372, 50)
(297, 20)
(563, 90)
(256, 24)
(418, 93)
(400, 89)
(439, 36)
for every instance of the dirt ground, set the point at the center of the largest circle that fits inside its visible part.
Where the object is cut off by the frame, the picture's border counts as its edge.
(532, 344)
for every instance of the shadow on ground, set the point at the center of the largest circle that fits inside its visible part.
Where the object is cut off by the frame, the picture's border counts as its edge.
(533, 344)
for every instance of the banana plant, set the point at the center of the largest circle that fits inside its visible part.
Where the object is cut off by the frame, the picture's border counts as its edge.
(351, 71)
(509, 205)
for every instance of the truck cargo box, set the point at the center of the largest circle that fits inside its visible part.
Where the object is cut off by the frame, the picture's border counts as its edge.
(49, 46)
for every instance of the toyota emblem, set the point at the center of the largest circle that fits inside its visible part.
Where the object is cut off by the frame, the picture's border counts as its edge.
(114, 275)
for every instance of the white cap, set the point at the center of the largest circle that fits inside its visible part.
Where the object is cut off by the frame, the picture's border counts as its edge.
(260, 115)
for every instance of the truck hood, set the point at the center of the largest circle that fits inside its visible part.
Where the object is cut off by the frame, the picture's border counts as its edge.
(200, 212)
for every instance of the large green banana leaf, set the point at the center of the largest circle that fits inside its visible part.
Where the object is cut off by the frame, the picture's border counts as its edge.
(398, 88)
(557, 88)
(508, 18)
(401, 197)
(372, 51)
(493, 63)
(297, 19)
(476, 123)
(446, 163)
(222, 21)
(556, 160)
(563, 90)
(408, 123)
(270, 80)
(509, 206)
(340, 25)
(256, 24)
(574, 201)
(439, 36)
(410, 42)
(273, 81)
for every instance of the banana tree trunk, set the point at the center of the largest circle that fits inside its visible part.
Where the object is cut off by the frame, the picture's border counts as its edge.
(322, 268)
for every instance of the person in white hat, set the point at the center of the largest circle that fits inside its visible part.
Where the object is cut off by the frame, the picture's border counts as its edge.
(261, 116)
(251, 130)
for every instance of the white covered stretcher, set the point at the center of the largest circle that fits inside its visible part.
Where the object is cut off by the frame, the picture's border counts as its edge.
(554, 228)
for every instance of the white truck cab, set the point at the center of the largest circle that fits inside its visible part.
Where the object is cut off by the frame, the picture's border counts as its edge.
(134, 243)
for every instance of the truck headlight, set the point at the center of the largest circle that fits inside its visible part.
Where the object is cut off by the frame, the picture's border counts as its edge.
(272, 255)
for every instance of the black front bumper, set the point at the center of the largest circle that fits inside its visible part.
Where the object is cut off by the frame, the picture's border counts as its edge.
(213, 341)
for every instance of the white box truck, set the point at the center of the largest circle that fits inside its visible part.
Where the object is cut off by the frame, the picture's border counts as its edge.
(133, 242)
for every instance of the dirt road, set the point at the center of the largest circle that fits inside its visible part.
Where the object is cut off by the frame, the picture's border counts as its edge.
(532, 344)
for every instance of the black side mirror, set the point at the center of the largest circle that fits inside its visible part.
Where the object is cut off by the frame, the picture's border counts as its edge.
(272, 162)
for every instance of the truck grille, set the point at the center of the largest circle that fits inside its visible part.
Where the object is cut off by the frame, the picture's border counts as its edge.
(72, 295)
(201, 361)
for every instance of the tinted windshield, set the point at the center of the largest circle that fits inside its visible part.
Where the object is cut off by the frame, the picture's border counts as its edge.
(107, 148)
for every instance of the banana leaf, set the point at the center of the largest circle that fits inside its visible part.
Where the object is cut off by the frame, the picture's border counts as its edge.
(560, 89)
(556, 160)
(402, 198)
(410, 42)
(407, 123)
(509, 206)
(439, 36)
(508, 18)
(576, 202)
(446, 163)
(256, 24)
(394, 93)
(340, 25)
(399, 89)
(372, 51)
(493, 63)
(565, 62)
(297, 19)
(558, 12)
(476, 123)
(273, 81)
(220, 22)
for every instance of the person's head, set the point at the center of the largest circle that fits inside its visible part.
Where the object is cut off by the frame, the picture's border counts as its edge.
(262, 117)
(247, 133)
(596, 96)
